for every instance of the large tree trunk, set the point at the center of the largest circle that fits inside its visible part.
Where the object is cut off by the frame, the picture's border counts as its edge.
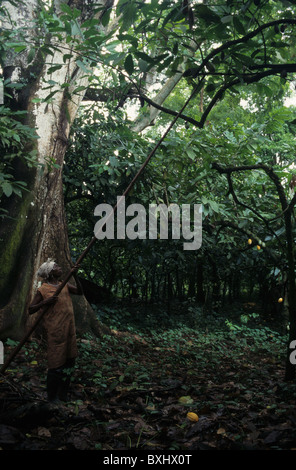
(38, 229)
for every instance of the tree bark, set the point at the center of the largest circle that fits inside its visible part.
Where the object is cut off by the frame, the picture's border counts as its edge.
(142, 122)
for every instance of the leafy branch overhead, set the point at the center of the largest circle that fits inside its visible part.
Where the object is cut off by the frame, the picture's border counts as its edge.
(223, 46)
(235, 63)
(244, 60)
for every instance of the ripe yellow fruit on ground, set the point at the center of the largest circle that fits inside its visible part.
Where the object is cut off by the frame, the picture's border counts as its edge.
(250, 241)
(280, 300)
(258, 247)
(192, 416)
(221, 431)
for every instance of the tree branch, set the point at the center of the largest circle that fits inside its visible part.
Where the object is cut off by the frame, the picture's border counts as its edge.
(228, 172)
(286, 208)
(169, 111)
(104, 95)
(241, 40)
(269, 171)
(244, 78)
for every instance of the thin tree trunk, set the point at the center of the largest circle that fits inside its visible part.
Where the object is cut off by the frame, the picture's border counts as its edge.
(144, 121)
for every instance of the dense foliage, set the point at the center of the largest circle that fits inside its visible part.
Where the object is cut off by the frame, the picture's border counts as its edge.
(198, 320)
(107, 155)
(232, 149)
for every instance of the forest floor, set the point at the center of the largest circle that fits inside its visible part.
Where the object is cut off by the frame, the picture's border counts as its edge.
(133, 392)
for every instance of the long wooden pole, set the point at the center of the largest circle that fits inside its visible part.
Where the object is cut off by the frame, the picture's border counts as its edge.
(93, 240)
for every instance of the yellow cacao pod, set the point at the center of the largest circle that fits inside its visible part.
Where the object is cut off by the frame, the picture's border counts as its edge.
(192, 416)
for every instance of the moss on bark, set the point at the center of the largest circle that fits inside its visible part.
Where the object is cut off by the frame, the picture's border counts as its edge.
(12, 238)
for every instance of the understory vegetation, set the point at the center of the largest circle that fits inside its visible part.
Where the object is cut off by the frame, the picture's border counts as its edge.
(133, 389)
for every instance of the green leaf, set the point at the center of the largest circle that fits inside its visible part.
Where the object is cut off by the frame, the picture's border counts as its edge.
(226, 19)
(7, 188)
(214, 206)
(238, 26)
(20, 48)
(128, 37)
(106, 17)
(142, 65)
(50, 95)
(17, 191)
(186, 400)
(75, 29)
(31, 55)
(66, 9)
(82, 66)
(207, 14)
(191, 154)
(129, 14)
(79, 88)
(54, 68)
(129, 64)
(145, 57)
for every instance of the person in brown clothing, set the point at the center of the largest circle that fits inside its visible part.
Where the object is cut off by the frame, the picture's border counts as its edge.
(59, 324)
